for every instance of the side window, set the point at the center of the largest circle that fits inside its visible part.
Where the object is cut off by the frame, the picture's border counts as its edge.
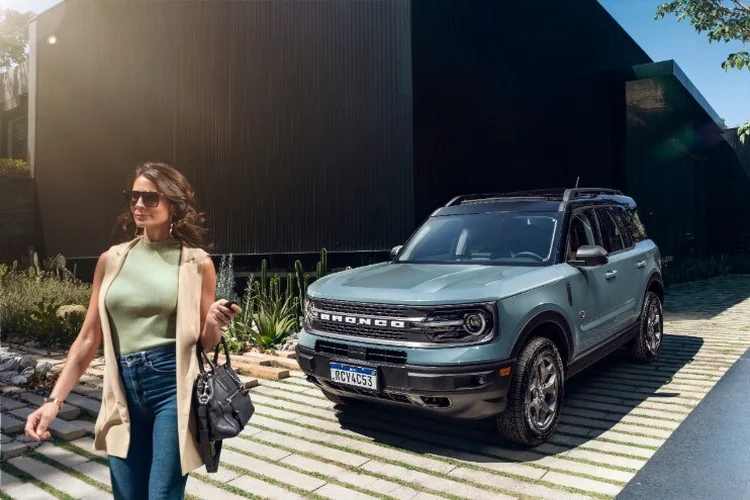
(583, 230)
(613, 230)
(637, 229)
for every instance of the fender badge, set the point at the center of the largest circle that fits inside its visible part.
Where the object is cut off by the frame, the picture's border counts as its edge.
(582, 314)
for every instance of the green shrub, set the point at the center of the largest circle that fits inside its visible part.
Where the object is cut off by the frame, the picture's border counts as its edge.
(48, 328)
(21, 294)
(10, 167)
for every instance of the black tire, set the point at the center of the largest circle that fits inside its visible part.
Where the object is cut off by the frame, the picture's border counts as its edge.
(647, 344)
(520, 421)
(335, 398)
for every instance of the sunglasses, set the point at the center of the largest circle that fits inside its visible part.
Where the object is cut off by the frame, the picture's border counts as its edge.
(150, 198)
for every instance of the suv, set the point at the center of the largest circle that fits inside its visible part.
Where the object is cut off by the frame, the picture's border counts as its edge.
(489, 307)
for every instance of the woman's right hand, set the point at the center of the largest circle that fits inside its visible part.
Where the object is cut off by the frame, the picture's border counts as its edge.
(37, 423)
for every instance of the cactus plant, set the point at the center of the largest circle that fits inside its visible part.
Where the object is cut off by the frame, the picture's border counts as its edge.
(324, 261)
(263, 273)
(289, 285)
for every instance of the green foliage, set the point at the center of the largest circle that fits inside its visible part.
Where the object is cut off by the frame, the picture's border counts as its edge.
(22, 292)
(47, 328)
(225, 281)
(724, 21)
(10, 167)
(275, 317)
(271, 310)
(14, 37)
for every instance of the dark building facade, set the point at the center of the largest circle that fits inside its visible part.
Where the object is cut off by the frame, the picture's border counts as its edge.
(342, 124)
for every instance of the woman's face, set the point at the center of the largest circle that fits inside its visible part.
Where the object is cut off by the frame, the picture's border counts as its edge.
(145, 215)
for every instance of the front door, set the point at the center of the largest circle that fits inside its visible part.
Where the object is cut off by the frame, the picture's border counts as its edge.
(592, 289)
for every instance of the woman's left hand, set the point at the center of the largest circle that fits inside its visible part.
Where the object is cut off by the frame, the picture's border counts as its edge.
(220, 316)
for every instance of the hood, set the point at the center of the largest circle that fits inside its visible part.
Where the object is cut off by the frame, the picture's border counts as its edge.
(391, 283)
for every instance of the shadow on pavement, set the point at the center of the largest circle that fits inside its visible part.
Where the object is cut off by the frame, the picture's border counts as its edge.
(596, 400)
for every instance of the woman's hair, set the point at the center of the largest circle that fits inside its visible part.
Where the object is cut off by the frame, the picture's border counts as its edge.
(187, 218)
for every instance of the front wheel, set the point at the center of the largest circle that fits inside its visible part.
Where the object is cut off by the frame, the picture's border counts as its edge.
(647, 344)
(535, 396)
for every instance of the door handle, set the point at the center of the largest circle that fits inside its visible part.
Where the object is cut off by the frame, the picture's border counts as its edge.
(641, 264)
(610, 275)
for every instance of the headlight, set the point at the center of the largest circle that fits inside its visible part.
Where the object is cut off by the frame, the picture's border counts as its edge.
(468, 325)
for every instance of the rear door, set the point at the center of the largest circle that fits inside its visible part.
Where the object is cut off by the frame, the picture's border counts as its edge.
(624, 269)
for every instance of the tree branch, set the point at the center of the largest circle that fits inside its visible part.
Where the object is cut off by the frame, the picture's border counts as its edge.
(742, 6)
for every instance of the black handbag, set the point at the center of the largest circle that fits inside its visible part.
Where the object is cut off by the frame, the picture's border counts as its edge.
(221, 405)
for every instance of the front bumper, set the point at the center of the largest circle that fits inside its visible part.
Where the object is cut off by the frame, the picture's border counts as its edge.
(473, 391)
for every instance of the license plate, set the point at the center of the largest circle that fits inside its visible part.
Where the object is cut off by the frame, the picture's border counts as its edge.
(366, 378)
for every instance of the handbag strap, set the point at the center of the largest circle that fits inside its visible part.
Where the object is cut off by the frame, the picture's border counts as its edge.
(210, 459)
(202, 355)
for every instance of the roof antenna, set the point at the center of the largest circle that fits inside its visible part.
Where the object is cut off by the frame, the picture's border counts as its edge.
(577, 179)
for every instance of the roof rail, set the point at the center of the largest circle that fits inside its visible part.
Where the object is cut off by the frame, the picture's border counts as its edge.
(577, 192)
(536, 194)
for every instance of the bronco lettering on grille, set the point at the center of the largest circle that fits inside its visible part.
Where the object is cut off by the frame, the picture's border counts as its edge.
(354, 320)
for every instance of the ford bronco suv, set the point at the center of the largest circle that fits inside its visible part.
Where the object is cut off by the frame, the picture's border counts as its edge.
(489, 307)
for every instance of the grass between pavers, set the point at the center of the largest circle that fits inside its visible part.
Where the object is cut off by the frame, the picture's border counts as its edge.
(3, 496)
(316, 475)
(224, 486)
(247, 472)
(70, 471)
(610, 441)
(340, 465)
(79, 451)
(366, 440)
(28, 478)
(333, 419)
(457, 463)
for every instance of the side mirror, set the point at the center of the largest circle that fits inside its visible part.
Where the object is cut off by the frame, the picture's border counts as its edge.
(590, 256)
(395, 250)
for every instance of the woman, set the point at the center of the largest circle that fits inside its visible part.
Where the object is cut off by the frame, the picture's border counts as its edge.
(152, 301)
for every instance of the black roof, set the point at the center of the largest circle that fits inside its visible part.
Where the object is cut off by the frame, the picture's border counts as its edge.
(539, 200)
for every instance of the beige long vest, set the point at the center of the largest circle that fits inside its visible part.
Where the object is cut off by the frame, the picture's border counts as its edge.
(112, 429)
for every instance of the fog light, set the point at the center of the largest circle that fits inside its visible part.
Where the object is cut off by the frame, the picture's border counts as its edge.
(481, 380)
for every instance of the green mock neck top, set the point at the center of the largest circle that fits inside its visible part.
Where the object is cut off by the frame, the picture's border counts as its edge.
(142, 300)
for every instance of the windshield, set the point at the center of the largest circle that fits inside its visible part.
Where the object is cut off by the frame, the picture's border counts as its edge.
(497, 238)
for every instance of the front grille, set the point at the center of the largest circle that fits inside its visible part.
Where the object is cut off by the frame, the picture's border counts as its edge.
(363, 308)
(365, 331)
(362, 353)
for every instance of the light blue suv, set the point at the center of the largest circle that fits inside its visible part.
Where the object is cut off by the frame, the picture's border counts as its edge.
(489, 307)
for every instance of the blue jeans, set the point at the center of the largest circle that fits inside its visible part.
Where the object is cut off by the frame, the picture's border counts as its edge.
(152, 468)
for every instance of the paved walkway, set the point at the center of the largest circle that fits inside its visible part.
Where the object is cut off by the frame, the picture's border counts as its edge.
(616, 417)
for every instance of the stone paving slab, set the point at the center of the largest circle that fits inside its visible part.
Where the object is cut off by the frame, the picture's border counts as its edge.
(18, 490)
(54, 477)
(86, 405)
(9, 447)
(9, 404)
(87, 444)
(11, 425)
(58, 428)
(67, 412)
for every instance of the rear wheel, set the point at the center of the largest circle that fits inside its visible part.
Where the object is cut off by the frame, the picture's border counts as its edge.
(647, 344)
(536, 394)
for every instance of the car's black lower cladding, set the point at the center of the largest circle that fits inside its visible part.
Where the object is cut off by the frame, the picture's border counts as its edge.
(473, 391)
